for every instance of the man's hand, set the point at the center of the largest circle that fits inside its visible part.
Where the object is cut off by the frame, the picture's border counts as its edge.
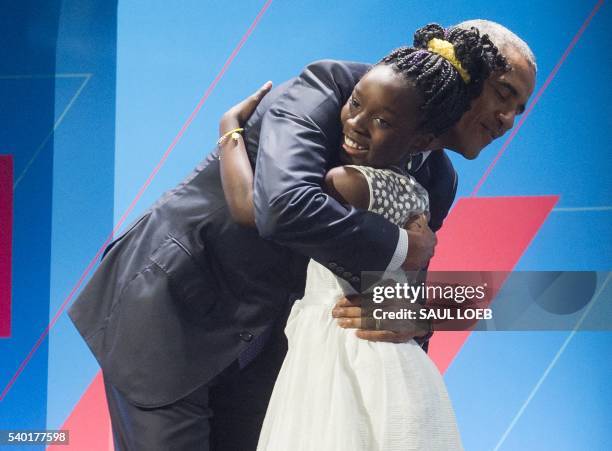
(421, 243)
(349, 314)
(237, 115)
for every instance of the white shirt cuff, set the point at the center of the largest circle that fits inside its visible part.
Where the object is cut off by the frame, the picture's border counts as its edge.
(401, 251)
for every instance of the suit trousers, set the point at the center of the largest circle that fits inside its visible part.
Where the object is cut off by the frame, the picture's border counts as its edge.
(224, 414)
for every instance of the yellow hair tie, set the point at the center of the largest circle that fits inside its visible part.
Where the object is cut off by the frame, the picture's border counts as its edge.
(447, 51)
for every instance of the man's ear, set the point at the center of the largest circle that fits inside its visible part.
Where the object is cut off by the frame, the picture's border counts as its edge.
(424, 141)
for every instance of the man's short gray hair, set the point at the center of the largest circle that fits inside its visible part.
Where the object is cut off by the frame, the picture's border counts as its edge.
(501, 37)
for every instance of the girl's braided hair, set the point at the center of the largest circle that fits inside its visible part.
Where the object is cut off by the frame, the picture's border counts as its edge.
(446, 95)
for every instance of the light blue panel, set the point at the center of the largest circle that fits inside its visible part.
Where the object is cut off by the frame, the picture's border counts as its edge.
(166, 59)
(83, 169)
(563, 147)
(491, 377)
(571, 240)
(495, 374)
(571, 410)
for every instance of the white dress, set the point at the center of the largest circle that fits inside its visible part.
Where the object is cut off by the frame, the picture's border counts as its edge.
(336, 392)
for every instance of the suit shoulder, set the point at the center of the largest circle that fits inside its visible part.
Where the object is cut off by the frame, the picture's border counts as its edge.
(338, 68)
(336, 75)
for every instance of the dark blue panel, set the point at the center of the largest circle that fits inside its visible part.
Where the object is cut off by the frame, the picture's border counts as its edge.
(57, 84)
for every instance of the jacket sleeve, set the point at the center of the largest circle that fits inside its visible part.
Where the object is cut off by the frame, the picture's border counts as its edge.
(299, 141)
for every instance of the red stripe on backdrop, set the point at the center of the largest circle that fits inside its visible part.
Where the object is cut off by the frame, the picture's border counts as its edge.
(484, 234)
(6, 242)
(89, 424)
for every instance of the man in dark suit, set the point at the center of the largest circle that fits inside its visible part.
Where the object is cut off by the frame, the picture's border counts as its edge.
(183, 300)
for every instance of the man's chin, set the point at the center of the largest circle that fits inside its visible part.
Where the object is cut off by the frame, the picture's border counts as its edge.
(471, 155)
(468, 154)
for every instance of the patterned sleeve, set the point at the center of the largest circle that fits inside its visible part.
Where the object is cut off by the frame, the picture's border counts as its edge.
(395, 196)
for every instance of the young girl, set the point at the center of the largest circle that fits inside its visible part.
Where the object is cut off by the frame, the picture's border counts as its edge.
(336, 392)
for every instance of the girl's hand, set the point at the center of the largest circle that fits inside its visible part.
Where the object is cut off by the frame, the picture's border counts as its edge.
(237, 115)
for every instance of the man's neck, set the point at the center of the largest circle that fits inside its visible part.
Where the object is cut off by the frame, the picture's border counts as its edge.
(437, 144)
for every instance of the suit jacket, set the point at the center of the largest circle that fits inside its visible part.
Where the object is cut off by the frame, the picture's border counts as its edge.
(185, 290)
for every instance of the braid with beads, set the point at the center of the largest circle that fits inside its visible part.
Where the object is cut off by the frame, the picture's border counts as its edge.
(446, 96)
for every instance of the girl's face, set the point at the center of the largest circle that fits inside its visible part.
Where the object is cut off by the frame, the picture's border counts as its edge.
(380, 120)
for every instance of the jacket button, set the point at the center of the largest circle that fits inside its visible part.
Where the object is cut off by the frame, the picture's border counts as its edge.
(355, 279)
(246, 336)
(332, 265)
(339, 270)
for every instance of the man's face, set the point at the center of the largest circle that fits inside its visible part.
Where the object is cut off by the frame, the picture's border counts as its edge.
(380, 120)
(491, 115)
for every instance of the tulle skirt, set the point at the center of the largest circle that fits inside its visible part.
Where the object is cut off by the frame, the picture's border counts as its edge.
(336, 392)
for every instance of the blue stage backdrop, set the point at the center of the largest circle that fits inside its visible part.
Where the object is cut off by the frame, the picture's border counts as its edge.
(94, 93)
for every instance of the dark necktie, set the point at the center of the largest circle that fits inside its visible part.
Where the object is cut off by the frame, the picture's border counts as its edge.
(414, 163)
